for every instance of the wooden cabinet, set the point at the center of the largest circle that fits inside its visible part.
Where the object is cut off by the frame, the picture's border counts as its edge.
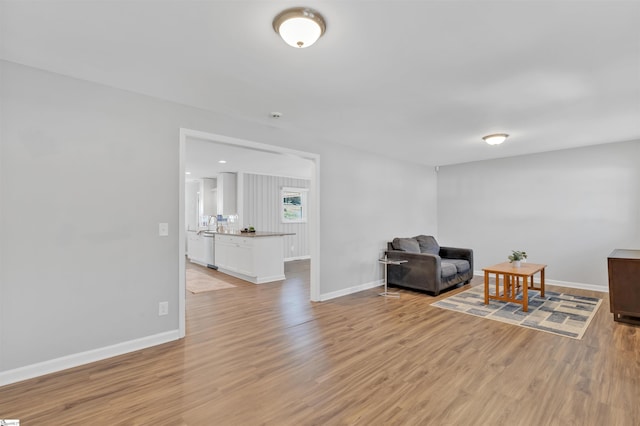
(624, 285)
(255, 259)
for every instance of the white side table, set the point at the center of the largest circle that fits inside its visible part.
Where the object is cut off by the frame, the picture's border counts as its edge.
(386, 262)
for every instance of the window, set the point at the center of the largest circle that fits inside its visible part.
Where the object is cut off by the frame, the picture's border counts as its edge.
(294, 205)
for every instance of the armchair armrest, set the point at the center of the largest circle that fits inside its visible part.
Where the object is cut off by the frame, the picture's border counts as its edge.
(421, 271)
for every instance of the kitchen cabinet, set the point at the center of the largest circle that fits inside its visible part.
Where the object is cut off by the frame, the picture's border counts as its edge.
(257, 259)
(200, 202)
(209, 197)
(195, 247)
(235, 254)
(227, 190)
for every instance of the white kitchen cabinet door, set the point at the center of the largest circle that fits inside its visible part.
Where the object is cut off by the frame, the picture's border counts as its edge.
(195, 246)
(222, 254)
(243, 255)
(235, 254)
(258, 260)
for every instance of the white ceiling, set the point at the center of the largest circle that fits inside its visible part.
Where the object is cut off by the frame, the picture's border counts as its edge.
(418, 80)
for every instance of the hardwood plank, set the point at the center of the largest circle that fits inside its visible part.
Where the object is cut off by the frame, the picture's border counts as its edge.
(264, 354)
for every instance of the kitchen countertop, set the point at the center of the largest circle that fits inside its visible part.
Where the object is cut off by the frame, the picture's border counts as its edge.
(251, 234)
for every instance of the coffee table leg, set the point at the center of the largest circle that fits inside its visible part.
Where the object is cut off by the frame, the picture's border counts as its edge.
(486, 288)
(542, 282)
(525, 295)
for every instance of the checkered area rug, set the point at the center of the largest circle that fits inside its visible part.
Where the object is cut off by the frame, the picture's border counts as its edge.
(558, 313)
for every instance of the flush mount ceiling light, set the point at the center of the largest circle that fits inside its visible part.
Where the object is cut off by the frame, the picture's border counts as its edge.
(299, 26)
(495, 139)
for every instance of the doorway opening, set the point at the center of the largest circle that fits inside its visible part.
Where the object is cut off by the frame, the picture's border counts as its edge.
(313, 210)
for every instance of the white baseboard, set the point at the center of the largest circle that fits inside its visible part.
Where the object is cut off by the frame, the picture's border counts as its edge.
(289, 259)
(198, 262)
(582, 286)
(75, 360)
(254, 280)
(350, 290)
(269, 279)
(569, 284)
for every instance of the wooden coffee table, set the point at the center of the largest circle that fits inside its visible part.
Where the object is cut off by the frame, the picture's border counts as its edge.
(511, 282)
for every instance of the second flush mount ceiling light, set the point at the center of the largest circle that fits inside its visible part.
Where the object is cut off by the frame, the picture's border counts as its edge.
(496, 138)
(299, 27)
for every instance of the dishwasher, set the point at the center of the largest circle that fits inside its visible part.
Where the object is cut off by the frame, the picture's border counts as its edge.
(210, 250)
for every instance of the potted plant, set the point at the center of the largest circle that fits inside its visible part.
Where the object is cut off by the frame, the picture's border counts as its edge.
(516, 257)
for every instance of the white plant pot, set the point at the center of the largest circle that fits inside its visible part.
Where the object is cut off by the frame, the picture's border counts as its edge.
(516, 263)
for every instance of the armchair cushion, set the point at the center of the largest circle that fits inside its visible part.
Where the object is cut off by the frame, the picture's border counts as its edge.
(428, 244)
(447, 269)
(461, 265)
(406, 244)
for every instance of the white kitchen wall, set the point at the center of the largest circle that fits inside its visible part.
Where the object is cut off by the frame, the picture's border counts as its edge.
(87, 174)
(568, 209)
(262, 207)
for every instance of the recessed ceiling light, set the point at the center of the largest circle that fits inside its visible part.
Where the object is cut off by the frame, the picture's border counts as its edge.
(187, 173)
(222, 161)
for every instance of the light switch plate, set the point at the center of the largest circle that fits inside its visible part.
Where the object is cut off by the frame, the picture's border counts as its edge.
(163, 229)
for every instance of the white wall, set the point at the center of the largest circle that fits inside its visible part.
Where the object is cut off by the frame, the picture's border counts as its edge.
(88, 172)
(368, 200)
(568, 209)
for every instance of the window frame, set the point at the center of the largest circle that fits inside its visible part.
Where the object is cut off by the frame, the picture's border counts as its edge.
(285, 214)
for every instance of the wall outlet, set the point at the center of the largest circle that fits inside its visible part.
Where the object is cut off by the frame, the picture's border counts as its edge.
(163, 229)
(293, 248)
(163, 308)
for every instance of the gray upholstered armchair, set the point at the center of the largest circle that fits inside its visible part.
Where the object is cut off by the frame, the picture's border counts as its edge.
(429, 267)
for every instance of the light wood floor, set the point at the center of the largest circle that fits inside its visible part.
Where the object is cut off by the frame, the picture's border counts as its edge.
(263, 354)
